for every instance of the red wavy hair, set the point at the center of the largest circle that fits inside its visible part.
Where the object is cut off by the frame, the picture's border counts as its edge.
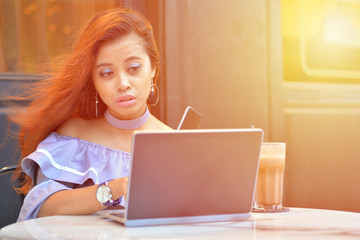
(70, 91)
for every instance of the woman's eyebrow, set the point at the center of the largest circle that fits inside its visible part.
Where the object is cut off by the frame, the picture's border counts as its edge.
(132, 58)
(102, 64)
(126, 60)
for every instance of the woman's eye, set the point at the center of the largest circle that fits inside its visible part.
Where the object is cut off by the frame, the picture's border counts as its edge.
(106, 73)
(134, 68)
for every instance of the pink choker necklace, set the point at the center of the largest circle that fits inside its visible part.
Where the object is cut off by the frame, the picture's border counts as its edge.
(127, 124)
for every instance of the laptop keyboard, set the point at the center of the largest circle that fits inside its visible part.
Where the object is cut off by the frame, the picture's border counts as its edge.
(118, 214)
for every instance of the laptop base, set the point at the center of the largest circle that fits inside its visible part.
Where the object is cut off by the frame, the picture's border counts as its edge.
(118, 215)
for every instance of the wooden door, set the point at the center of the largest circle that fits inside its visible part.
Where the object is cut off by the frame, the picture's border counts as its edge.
(321, 104)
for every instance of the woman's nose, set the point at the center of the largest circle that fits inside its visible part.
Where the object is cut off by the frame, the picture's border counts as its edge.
(123, 82)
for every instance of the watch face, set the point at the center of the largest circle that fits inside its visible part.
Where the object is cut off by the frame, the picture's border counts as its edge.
(103, 194)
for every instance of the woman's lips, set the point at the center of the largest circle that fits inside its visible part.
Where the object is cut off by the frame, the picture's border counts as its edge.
(126, 100)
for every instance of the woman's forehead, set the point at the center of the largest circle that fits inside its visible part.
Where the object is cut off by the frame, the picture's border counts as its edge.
(121, 48)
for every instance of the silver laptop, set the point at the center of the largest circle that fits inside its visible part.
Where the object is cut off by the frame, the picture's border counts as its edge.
(191, 176)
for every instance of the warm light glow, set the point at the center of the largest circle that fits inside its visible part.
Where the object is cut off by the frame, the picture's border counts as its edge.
(321, 40)
(339, 29)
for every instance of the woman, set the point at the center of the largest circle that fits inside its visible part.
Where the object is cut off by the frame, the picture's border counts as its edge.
(76, 135)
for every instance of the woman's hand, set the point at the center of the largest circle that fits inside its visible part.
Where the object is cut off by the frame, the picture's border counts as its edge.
(119, 187)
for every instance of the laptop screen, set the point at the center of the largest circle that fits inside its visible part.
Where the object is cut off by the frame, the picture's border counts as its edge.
(193, 173)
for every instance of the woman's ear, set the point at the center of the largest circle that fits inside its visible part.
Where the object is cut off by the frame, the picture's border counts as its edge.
(153, 73)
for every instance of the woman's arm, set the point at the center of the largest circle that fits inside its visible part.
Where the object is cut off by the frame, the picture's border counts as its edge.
(80, 200)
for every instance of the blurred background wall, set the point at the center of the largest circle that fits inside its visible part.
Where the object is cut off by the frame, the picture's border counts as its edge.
(290, 67)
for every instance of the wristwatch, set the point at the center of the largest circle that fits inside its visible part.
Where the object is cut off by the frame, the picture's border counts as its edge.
(103, 195)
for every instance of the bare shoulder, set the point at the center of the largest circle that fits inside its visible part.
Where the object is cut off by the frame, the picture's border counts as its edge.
(157, 125)
(73, 127)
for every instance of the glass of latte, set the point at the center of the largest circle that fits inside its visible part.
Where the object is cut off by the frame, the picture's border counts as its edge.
(270, 179)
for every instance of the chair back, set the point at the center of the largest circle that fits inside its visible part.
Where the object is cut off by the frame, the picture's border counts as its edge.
(10, 200)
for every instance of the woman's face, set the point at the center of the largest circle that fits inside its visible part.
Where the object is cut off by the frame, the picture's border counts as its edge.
(122, 76)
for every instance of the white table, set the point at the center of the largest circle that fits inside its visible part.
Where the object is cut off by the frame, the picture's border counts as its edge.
(298, 223)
